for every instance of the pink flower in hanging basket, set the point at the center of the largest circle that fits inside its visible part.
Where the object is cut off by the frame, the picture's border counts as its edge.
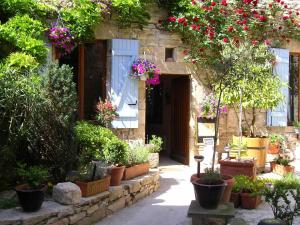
(61, 38)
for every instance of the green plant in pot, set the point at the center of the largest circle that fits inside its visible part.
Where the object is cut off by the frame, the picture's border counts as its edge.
(137, 161)
(276, 142)
(251, 192)
(283, 197)
(115, 154)
(237, 189)
(154, 147)
(93, 178)
(281, 166)
(31, 192)
(209, 189)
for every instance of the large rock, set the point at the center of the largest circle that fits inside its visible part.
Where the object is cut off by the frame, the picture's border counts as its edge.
(67, 193)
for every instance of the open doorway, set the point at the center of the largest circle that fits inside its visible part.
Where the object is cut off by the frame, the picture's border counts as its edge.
(167, 115)
(88, 61)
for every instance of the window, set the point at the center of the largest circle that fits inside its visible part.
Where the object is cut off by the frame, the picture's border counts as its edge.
(169, 55)
(293, 109)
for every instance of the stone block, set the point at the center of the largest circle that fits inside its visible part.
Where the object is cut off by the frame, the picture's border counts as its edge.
(140, 195)
(64, 221)
(76, 217)
(115, 193)
(92, 209)
(147, 180)
(93, 218)
(119, 204)
(67, 193)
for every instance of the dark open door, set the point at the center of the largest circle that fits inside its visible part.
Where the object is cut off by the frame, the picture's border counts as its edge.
(180, 111)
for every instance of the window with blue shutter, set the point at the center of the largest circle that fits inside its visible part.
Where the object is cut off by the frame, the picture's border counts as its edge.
(278, 116)
(124, 90)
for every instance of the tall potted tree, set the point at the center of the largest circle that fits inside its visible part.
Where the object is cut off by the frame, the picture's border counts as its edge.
(258, 89)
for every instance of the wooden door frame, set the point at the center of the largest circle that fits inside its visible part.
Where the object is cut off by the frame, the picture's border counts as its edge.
(298, 54)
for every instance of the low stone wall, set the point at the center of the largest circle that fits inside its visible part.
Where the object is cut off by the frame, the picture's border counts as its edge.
(89, 210)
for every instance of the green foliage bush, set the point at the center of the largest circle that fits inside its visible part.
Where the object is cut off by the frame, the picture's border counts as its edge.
(137, 154)
(26, 34)
(284, 198)
(156, 144)
(34, 176)
(115, 152)
(131, 11)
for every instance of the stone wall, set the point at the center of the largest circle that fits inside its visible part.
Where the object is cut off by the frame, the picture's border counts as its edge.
(89, 210)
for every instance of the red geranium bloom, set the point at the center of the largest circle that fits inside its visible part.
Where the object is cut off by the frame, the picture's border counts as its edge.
(225, 40)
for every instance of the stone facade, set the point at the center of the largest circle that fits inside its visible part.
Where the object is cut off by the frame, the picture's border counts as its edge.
(152, 46)
(89, 210)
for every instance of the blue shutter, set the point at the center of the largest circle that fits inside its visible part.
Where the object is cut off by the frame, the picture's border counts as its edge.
(278, 115)
(124, 90)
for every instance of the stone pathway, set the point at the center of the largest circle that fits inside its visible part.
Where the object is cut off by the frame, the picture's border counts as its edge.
(169, 205)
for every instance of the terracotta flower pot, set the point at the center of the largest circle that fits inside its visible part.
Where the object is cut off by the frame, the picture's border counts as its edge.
(94, 187)
(135, 171)
(229, 181)
(250, 202)
(234, 167)
(273, 148)
(236, 199)
(283, 170)
(116, 174)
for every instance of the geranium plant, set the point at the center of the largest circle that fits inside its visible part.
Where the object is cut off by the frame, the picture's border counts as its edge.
(209, 107)
(106, 113)
(144, 69)
(61, 38)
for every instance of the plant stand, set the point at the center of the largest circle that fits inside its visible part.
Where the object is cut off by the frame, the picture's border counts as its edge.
(200, 216)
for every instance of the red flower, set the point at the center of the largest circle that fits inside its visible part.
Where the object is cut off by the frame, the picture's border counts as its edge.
(213, 4)
(196, 19)
(172, 19)
(263, 18)
(230, 29)
(254, 42)
(193, 26)
(285, 17)
(185, 51)
(225, 40)
(181, 20)
(297, 13)
(224, 3)
(246, 28)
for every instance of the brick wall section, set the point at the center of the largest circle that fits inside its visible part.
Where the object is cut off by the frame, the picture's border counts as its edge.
(89, 210)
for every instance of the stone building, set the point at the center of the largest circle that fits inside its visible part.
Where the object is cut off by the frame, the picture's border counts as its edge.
(170, 110)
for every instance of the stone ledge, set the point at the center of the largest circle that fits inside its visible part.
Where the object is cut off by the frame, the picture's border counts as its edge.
(90, 209)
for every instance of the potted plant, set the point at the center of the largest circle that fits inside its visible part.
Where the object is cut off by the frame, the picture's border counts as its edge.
(154, 147)
(275, 143)
(283, 197)
(106, 113)
(253, 93)
(115, 153)
(93, 179)
(237, 189)
(282, 166)
(31, 192)
(251, 192)
(209, 189)
(137, 162)
(297, 127)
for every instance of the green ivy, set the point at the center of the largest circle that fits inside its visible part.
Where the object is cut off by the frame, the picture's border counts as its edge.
(82, 18)
(26, 34)
(131, 11)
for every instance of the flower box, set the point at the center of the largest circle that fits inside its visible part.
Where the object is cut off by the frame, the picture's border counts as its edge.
(135, 171)
(238, 167)
(93, 187)
(283, 170)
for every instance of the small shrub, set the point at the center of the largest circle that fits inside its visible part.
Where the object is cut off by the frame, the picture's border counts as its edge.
(156, 144)
(211, 177)
(137, 154)
(284, 198)
(34, 176)
(116, 152)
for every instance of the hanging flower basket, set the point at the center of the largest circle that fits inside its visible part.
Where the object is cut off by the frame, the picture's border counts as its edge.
(61, 38)
(145, 70)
